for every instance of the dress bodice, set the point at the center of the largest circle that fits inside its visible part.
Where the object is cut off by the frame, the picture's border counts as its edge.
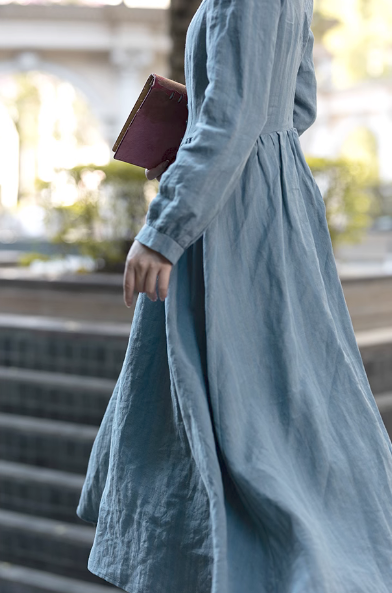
(292, 34)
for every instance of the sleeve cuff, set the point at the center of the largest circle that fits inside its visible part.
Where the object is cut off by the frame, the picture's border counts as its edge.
(160, 242)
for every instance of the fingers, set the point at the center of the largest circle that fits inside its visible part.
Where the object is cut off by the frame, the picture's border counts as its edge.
(142, 268)
(140, 276)
(163, 282)
(157, 172)
(129, 285)
(150, 282)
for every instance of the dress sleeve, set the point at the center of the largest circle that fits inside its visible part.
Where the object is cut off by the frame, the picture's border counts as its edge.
(240, 39)
(305, 105)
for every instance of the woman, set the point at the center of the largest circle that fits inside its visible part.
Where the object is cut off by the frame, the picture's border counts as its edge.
(242, 450)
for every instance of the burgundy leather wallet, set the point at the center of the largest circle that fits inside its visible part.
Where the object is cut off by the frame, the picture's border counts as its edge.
(153, 132)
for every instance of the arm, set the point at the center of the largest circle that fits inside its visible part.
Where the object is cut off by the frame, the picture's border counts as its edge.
(241, 38)
(305, 106)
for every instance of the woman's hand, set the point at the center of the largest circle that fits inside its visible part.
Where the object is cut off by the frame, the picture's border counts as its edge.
(142, 267)
(156, 172)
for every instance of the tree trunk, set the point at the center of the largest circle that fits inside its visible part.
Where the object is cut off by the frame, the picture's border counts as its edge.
(181, 13)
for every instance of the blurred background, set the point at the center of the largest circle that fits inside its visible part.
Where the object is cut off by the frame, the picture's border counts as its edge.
(70, 73)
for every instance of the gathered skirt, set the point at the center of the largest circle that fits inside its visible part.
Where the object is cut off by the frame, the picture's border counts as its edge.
(242, 449)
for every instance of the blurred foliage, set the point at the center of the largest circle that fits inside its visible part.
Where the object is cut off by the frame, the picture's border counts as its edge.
(321, 23)
(109, 211)
(348, 189)
(358, 33)
(27, 258)
(361, 145)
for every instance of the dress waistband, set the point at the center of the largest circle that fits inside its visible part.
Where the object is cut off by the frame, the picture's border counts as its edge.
(272, 129)
(265, 131)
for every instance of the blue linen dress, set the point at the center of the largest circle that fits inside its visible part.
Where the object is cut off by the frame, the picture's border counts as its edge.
(242, 450)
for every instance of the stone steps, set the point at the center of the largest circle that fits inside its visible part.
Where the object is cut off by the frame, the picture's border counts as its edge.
(56, 379)
(55, 396)
(84, 297)
(19, 579)
(41, 492)
(46, 443)
(369, 300)
(376, 350)
(63, 346)
(384, 403)
(46, 544)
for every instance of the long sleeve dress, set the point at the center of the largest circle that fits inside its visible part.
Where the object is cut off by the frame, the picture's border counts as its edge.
(242, 450)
